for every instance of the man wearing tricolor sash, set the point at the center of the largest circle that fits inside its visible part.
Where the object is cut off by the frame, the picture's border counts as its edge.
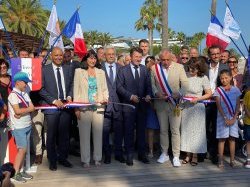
(168, 81)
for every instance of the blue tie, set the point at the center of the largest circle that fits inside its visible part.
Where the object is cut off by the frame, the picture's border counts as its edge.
(59, 81)
(111, 74)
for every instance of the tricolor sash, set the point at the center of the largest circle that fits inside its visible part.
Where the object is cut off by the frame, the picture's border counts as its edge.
(24, 103)
(226, 100)
(161, 78)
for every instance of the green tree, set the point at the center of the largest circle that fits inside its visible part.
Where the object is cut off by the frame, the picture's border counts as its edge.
(196, 39)
(181, 36)
(171, 33)
(24, 16)
(105, 38)
(175, 49)
(91, 37)
(149, 19)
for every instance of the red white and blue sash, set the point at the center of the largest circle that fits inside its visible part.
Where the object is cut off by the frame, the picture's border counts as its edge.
(226, 100)
(23, 101)
(162, 80)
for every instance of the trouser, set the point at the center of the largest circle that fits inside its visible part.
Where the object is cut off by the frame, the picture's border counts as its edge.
(116, 124)
(167, 119)
(132, 120)
(3, 145)
(57, 143)
(87, 120)
(38, 123)
(211, 121)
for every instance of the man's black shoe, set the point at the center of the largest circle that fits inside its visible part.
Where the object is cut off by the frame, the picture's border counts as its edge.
(65, 163)
(143, 159)
(53, 166)
(120, 159)
(129, 160)
(107, 160)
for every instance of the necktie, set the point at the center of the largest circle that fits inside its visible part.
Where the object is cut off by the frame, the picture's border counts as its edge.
(111, 74)
(137, 78)
(59, 81)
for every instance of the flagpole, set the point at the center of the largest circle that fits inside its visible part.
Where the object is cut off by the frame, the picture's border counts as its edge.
(6, 54)
(41, 42)
(8, 38)
(46, 57)
(240, 33)
(230, 38)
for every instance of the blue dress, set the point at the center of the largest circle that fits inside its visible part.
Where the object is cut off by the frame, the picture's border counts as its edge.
(152, 120)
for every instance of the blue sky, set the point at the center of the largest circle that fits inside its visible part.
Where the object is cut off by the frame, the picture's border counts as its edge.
(118, 16)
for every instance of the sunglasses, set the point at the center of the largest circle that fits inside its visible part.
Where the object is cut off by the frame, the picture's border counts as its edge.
(4, 67)
(186, 58)
(232, 61)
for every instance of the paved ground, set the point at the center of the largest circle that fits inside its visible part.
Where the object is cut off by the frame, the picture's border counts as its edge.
(154, 174)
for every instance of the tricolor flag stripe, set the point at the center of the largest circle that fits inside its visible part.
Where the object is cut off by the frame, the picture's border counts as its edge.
(31, 66)
(226, 101)
(215, 35)
(163, 82)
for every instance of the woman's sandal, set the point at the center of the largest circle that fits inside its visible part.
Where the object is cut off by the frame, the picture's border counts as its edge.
(233, 163)
(193, 163)
(186, 160)
(221, 165)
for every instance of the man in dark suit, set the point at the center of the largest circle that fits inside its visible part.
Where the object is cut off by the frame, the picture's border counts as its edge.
(113, 112)
(214, 68)
(134, 87)
(57, 88)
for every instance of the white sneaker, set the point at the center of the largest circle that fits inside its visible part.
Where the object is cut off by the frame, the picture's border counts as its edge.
(176, 162)
(163, 158)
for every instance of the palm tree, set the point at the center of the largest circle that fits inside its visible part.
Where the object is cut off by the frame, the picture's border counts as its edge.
(196, 39)
(91, 37)
(171, 33)
(164, 24)
(24, 16)
(181, 37)
(149, 17)
(105, 38)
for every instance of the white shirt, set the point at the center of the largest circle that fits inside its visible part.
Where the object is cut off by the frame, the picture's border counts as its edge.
(213, 75)
(25, 120)
(143, 59)
(133, 69)
(113, 68)
(62, 79)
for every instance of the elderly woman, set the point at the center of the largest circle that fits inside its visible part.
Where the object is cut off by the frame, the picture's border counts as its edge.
(193, 125)
(90, 87)
(233, 67)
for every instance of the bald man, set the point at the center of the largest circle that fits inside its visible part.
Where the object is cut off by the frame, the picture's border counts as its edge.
(57, 89)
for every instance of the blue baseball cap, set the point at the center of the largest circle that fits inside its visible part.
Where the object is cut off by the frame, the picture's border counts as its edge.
(21, 76)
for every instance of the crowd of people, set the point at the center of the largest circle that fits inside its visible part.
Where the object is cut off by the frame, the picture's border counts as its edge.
(193, 102)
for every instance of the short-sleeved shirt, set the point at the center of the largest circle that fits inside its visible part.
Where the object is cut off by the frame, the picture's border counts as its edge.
(246, 102)
(13, 99)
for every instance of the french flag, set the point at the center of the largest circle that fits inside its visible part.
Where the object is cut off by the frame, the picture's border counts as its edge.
(215, 34)
(31, 66)
(73, 31)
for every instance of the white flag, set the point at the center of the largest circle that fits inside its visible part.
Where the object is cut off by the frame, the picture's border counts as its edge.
(1, 24)
(231, 27)
(54, 29)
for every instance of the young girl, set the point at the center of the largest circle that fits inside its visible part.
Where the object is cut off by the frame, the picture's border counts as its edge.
(228, 102)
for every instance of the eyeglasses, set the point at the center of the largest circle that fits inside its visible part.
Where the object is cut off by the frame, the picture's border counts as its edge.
(232, 61)
(3, 67)
(186, 58)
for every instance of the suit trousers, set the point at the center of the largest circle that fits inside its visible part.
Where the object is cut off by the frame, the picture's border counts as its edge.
(91, 119)
(58, 124)
(167, 119)
(211, 122)
(38, 123)
(135, 120)
(110, 122)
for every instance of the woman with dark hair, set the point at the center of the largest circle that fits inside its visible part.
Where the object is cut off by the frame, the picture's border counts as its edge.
(233, 67)
(193, 125)
(90, 86)
(152, 120)
(5, 80)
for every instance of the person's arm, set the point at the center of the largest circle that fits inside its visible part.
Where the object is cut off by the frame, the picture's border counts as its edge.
(207, 95)
(217, 99)
(105, 90)
(183, 80)
(23, 111)
(237, 110)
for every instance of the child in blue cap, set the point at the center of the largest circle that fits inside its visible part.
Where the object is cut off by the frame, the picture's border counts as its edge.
(20, 108)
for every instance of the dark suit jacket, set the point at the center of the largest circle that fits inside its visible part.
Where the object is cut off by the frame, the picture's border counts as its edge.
(49, 91)
(126, 86)
(221, 67)
(113, 96)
